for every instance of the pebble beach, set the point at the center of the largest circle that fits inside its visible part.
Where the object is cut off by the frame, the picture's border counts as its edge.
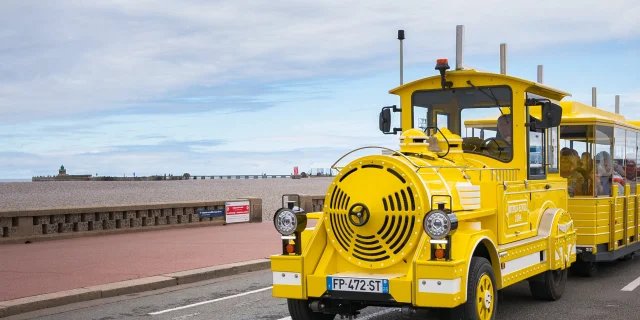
(16, 196)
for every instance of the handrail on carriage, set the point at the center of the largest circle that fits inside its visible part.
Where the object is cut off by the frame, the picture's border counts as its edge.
(418, 167)
(371, 147)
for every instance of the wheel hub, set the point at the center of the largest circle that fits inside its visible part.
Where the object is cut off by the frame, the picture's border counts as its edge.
(487, 299)
(484, 298)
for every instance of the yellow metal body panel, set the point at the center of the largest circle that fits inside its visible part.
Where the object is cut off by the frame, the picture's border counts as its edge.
(292, 264)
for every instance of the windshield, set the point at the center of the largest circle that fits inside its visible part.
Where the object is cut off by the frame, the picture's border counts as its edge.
(481, 116)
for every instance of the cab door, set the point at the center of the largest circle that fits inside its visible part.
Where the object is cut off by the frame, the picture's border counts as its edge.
(515, 218)
(542, 159)
(523, 200)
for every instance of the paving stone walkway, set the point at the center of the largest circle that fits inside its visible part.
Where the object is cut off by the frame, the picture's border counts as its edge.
(53, 266)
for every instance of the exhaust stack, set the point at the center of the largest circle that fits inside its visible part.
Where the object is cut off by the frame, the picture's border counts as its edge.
(617, 104)
(459, 46)
(540, 70)
(593, 97)
(401, 37)
(503, 58)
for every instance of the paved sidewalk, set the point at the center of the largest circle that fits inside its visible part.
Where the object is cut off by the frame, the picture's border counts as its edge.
(53, 266)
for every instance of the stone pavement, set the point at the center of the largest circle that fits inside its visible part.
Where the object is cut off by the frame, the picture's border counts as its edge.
(58, 265)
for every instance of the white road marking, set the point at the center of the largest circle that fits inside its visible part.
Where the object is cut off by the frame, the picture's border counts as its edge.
(210, 301)
(632, 285)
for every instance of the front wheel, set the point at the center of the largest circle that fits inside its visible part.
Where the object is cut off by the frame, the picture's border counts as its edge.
(482, 294)
(299, 310)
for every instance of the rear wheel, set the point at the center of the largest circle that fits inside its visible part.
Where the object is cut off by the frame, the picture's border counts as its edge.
(583, 268)
(549, 285)
(299, 310)
(628, 257)
(482, 294)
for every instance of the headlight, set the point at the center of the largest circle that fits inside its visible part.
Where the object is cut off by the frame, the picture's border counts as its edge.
(438, 224)
(287, 222)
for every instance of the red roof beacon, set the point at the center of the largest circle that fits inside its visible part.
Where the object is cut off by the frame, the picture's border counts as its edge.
(442, 65)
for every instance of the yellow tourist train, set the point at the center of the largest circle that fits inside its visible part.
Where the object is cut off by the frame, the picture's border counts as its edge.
(497, 180)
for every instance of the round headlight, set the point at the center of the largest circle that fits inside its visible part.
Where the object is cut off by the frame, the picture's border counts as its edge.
(285, 221)
(438, 224)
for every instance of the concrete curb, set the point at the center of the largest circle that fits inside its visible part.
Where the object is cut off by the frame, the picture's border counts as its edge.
(50, 300)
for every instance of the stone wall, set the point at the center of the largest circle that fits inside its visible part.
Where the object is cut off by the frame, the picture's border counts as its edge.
(65, 222)
(312, 203)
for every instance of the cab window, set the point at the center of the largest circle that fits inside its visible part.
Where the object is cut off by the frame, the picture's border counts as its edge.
(481, 116)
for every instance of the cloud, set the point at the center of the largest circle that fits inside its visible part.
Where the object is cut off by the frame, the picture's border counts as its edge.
(80, 58)
(166, 146)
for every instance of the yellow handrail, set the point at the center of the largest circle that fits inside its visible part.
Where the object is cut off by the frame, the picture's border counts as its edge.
(612, 217)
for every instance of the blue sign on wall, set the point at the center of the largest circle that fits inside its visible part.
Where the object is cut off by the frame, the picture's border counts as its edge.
(203, 213)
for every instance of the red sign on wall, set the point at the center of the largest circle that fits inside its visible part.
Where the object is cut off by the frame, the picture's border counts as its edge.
(237, 211)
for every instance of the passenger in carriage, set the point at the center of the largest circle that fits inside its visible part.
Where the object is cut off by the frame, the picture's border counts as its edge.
(604, 172)
(586, 163)
(568, 166)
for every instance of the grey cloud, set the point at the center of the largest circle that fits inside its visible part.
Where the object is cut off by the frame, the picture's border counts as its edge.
(79, 57)
(167, 146)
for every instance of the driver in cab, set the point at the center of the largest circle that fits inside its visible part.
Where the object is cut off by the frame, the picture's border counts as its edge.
(504, 127)
(500, 146)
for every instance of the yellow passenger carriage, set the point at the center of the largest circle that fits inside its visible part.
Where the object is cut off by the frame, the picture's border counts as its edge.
(481, 194)
(599, 158)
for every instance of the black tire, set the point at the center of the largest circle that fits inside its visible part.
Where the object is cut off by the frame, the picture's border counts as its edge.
(479, 268)
(299, 310)
(549, 285)
(583, 268)
(627, 257)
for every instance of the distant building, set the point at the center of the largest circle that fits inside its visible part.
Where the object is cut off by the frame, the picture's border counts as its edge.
(63, 176)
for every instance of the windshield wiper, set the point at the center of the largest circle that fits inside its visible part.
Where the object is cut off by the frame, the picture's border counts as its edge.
(492, 96)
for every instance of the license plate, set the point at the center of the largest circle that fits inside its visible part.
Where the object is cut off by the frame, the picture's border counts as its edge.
(358, 284)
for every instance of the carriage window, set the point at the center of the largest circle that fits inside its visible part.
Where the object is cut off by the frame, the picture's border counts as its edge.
(637, 170)
(576, 160)
(618, 158)
(630, 160)
(603, 164)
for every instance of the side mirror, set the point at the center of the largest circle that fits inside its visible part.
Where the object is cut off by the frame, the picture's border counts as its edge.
(551, 116)
(385, 120)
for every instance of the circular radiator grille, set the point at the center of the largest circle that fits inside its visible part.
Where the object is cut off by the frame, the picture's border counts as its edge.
(393, 228)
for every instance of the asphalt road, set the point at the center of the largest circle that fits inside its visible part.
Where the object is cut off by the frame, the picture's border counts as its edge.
(248, 296)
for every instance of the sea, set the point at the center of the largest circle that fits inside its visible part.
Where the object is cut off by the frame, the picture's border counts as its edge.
(15, 180)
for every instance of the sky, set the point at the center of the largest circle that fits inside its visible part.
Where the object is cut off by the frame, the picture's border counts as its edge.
(251, 87)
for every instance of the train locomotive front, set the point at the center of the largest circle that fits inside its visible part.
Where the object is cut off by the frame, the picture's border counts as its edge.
(388, 235)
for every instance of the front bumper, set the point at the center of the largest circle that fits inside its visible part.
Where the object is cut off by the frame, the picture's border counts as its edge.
(432, 284)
